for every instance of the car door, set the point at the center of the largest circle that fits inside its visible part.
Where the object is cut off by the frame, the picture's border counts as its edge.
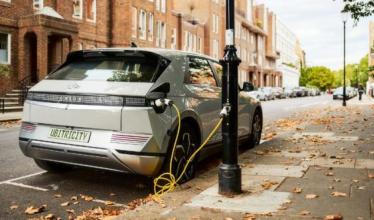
(243, 101)
(204, 94)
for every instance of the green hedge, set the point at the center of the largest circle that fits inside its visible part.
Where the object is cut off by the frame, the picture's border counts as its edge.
(5, 71)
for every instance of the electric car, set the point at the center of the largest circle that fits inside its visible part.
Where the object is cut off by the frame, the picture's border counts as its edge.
(97, 110)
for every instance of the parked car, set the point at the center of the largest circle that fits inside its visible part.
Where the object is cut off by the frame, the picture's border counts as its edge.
(279, 93)
(299, 92)
(289, 92)
(269, 93)
(258, 94)
(97, 110)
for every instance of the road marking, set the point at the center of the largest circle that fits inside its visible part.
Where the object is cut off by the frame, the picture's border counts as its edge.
(114, 203)
(23, 177)
(27, 186)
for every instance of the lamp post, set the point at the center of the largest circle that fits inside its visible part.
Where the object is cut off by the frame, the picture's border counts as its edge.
(229, 174)
(344, 18)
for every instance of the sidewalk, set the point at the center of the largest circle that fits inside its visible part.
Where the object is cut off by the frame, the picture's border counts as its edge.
(317, 165)
(12, 116)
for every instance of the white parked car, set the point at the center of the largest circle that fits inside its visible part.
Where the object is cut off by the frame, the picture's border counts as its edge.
(98, 110)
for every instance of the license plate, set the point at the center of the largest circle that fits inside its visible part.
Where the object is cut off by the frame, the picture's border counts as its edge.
(70, 135)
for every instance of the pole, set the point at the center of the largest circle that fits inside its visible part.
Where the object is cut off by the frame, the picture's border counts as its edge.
(344, 83)
(229, 174)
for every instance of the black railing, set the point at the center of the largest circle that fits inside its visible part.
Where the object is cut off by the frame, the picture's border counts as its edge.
(2, 105)
(23, 85)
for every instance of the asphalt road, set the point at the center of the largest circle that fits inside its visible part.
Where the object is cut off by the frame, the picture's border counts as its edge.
(23, 184)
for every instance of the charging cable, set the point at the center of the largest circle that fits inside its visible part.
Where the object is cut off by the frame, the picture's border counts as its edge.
(167, 182)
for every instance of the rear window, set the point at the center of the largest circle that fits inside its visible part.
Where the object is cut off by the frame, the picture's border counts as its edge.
(127, 68)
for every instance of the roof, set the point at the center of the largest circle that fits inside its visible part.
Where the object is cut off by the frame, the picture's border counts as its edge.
(48, 11)
(161, 51)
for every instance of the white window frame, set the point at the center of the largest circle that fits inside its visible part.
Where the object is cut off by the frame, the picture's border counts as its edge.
(173, 43)
(40, 4)
(142, 26)
(134, 22)
(150, 26)
(80, 15)
(94, 8)
(158, 5)
(9, 49)
(163, 6)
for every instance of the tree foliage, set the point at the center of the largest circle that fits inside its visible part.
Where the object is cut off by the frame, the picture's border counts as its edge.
(356, 74)
(317, 76)
(359, 8)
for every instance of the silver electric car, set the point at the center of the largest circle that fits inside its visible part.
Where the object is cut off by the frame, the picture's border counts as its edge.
(96, 111)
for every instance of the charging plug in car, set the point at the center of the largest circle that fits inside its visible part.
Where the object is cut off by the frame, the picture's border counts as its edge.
(158, 99)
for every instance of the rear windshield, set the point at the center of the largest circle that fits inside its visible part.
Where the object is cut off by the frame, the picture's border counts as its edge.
(143, 68)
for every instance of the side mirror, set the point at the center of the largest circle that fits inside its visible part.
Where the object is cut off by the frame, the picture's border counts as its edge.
(248, 87)
(160, 92)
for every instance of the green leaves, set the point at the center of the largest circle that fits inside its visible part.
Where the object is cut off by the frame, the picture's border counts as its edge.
(359, 8)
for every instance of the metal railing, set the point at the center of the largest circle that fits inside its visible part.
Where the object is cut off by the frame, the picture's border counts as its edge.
(2, 105)
(23, 85)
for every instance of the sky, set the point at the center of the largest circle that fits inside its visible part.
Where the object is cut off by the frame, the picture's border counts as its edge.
(318, 25)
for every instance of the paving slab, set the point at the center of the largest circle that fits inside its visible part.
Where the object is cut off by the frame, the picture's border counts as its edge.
(275, 170)
(324, 162)
(364, 164)
(250, 184)
(264, 202)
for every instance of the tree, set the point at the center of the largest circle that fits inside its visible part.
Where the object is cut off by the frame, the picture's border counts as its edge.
(359, 8)
(317, 76)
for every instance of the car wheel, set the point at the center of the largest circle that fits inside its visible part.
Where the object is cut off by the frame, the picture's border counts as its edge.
(53, 167)
(255, 136)
(186, 146)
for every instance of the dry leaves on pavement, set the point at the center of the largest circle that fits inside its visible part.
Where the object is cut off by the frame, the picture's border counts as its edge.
(371, 175)
(334, 217)
(297, 190)
(65, 204)
(339, 194)
(311, 196)
(13, 207)
(267, 184)
(32, 210)
(98, 214)
(305, 212)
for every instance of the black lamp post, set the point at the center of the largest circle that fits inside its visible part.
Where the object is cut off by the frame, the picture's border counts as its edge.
(344, 18)
(229, 174)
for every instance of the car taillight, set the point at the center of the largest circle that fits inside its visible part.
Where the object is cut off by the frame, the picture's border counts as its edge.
(135, 101)
(27, 127)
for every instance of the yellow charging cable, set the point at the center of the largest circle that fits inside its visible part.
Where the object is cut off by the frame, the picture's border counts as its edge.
(168, 180)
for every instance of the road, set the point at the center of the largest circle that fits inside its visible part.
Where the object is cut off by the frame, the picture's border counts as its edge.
(23, 184)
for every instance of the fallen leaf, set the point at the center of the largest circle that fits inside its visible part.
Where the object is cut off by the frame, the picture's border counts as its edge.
(13, 207)
(57, 195)
(249, 216)
(311, 196)
(65, 204)
(371, 175)
(74, 198)
(50, 217)
(71, 211)
(297, 190)
(361, 187)
(356, 181)
(109, 203)
(305, 213)
(329, 174)
(334, 217)
(339, 194)
(31, 210)
(112, 194)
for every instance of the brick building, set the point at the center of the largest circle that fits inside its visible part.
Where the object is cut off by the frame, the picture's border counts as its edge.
(36, 35)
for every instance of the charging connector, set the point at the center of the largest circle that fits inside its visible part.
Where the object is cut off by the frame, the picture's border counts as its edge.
(163, 102)
(225, 111)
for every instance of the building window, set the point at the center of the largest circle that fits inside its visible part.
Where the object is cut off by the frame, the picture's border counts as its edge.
(37, 4)
(77, 9)
(150, 26)
(215, 23)
(158, 5)
(5, 48)
(142, 25)
(199, 45)
(91, 10)
(161, 34)
(173, 44)
(163, 6)
(215, 48)
(134, 23)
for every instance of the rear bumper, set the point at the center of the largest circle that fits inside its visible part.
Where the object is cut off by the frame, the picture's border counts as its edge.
(109, 156)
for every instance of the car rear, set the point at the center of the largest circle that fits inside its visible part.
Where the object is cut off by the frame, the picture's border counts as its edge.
(92, 112)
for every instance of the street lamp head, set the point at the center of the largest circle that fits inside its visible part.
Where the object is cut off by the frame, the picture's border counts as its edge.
(345, 16)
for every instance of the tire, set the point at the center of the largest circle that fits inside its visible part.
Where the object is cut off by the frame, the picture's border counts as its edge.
(187, 144)
(53, 167)
(255, 136)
